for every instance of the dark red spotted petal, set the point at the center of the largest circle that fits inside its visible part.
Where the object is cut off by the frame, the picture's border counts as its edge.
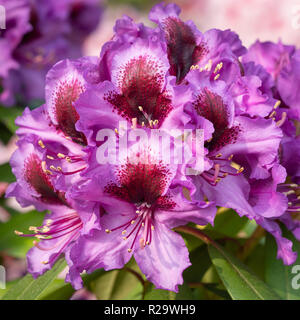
(141, 85)
(212, 107)
(40, 182)
(65, 113)
(142, 183)
(183, 51)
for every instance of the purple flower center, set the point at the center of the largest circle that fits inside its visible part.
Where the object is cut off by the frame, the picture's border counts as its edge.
(142, 185)
(183, 51)
(142, 95)
(66, 115)
(212, 107)
(38, 179)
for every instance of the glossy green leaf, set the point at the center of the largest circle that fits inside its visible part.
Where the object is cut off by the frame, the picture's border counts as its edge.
(28, 288)
(118, 284)
(277, 275)
(5, 173)
(239, 281)
(200, 263)
(159, 294)
(8, 117)
(228, 223)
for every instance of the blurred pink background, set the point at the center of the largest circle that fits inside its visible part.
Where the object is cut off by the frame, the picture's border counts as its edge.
(251, 19)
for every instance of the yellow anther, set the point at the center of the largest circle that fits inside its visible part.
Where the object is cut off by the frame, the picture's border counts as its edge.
(230, 157)
(134, 123)
(49, 222)
(41, 144)
(152, 228)
(116, 131)
(219, 155)
(218, 67)
(133, 222)
(34, 229)
(129, 250)
(217, 76)
(155, 122)
(272, 114)
(50, 157)
(208, 66)
(44, 167)
(124, 232)
(18, 233)
(45, 262)
(277, 104)
(225, 175)
(61, 155)
(107, 231)
(45, 229)
(240, 170)
(38, 236)
(141, 108)
(124, 238)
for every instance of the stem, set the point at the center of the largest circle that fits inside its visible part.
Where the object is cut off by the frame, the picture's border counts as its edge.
(140, 278)
(198, 234)
(251, 242)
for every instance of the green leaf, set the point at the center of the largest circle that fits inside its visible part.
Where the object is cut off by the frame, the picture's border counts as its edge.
(57, 290)
(239, 281)
(256, 261)
(11, 243)
(6, 174)
(184, 292)
(277, 275)
(200, 263)
(29, 289)
(228, 223)
(118, 284)
(60, 290)
(159, 294)
(8, 117)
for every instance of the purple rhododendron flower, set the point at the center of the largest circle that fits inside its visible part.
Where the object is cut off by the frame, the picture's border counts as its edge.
(282, 62)
(38, 34)
(170, 77)
(142, 199)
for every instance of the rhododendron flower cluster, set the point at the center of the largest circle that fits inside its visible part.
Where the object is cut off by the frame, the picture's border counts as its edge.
(169, 77)
(37, 35)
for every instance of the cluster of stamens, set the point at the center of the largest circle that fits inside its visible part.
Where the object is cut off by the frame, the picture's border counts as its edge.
(62, 157)
(65, 228)
(292, 192)
(272, 115)
(217, 172)
(141, 221)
